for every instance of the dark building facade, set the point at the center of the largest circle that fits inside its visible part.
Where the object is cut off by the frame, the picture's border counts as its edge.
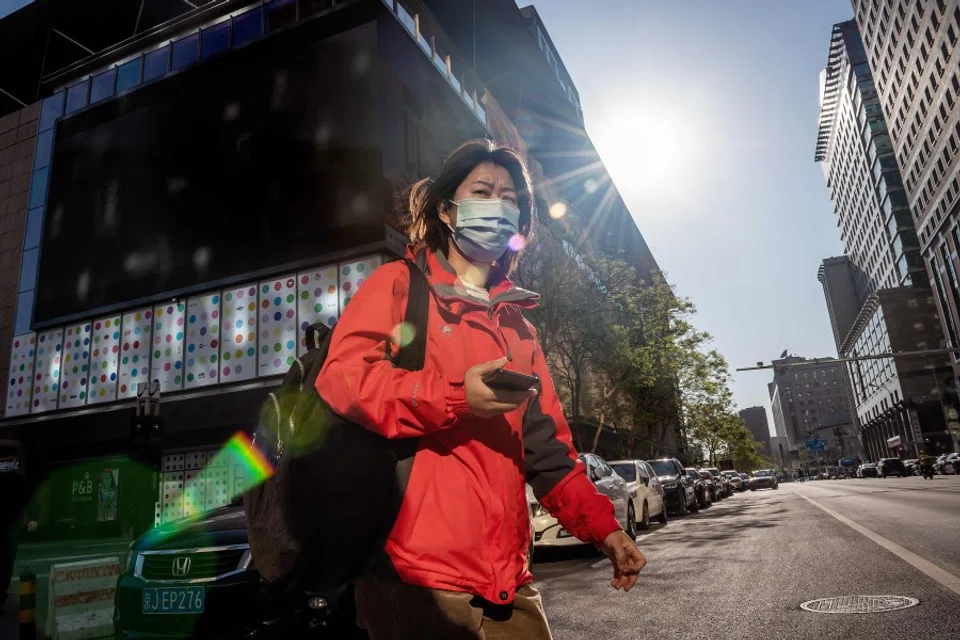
(179, 207)
(755, 419)
(883, 267)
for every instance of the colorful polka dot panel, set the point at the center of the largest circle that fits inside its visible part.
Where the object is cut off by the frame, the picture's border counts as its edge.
(278, 325)
(104, 360)
(23, 356)
(238, 329)
(46, 377)
(75, 369)
(166, 360)
(317, 301)
(202, 356)
(217, 490)
(353, 275)
(194, 488)
(171, 496)
(136, 338)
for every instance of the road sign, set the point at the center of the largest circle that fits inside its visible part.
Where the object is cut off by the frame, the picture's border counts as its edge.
(848, 462)
(816, 444)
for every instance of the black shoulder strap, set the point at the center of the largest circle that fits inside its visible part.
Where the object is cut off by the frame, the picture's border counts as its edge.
(412, 355)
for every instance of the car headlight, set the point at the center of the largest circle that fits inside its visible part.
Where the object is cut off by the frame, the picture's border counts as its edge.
(131, 561)
(670, 485)
(539, 510)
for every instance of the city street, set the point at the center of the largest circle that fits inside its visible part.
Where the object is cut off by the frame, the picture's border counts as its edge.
(741, 568)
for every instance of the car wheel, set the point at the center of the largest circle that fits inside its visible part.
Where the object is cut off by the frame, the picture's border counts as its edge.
(695, 506)
(662, 518)
(644, 523)
(631, 521)
(683, 505)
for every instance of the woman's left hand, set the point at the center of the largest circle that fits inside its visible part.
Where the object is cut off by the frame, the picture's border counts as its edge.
(626, 558)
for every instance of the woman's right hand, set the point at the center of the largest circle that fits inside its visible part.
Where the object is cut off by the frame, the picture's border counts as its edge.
(486, 402)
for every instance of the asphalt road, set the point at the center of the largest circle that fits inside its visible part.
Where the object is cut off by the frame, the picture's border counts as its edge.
(741, 568)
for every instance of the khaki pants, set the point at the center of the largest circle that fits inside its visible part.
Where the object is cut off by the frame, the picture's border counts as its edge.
(397, 611)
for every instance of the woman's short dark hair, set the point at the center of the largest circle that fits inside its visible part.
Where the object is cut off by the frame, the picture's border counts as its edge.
(422, 221)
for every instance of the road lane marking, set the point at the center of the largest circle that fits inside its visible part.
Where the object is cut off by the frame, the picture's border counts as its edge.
(945, 578)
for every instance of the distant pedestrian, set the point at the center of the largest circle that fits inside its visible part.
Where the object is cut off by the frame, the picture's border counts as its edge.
(800, 475)
(16, 495)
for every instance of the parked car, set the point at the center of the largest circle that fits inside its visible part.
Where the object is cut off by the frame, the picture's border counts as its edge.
(889, 467)
(646, 494)
(725, 489)
(196, 577)
(677, 487)
(764, 479)
(948, 464)
(713, 487)
(736, 482)
(549, 533)
(911, 466)
(532, 505)
(703, 492)
(868, 470)
(746, 481)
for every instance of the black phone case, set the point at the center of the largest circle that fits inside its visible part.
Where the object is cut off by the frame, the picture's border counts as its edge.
(511, 381)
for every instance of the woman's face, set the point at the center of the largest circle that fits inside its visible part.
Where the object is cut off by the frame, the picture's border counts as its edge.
(487, 181)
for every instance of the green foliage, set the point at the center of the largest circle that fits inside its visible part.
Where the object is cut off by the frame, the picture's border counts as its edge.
(624, 352)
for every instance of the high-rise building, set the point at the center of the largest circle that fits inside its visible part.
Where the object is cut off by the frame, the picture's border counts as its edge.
(839, 288)
(810, 400)
(755, 419)
(890, 284)
(913, 50)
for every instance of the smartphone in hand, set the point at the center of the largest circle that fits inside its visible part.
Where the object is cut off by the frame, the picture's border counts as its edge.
(511, 381)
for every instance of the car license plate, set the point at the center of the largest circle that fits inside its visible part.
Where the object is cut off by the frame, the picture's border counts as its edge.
(188, 600)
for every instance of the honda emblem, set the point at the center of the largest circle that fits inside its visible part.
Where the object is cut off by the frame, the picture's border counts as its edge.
(181, 566)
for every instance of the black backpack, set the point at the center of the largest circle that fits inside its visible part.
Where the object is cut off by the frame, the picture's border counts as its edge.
(324, 515)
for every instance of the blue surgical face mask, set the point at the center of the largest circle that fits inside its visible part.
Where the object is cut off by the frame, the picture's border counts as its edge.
(484, 228)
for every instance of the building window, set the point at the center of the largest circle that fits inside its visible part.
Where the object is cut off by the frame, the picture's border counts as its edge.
(944, 305)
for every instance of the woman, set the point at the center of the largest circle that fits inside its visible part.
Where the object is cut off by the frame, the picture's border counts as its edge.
(458, 549)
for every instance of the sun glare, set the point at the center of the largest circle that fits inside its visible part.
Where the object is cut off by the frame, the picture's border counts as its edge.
(650, 153)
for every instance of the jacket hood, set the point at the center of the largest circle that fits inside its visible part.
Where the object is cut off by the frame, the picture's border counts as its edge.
(449, 288)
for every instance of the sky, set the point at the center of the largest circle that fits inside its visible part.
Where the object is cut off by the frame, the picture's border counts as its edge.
(705, 114)
(9, 6)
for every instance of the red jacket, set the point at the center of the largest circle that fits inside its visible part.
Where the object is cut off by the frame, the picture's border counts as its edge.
(463, 522)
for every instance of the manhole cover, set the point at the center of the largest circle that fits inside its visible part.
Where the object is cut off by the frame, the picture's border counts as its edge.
(859, 604)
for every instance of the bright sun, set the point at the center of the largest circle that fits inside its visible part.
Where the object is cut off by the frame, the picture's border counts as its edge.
(650, 153)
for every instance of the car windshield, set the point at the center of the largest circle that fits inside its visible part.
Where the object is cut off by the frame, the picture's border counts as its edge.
(693, 474)
(663, 467)
(762, 474)
(626, 471)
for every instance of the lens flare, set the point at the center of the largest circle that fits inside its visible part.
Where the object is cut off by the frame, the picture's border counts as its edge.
(517, 242)
(403, 334)
(591, 186)
(558, 210)
(239, 450)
